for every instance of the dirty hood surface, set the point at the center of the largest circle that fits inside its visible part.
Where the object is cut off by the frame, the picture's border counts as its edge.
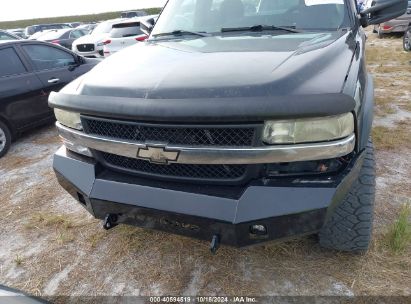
(225, 66)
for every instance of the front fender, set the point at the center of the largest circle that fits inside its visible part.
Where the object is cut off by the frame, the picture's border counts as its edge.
(367, 113)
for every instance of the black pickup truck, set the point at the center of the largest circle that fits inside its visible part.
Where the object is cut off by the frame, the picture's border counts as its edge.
(238, 122)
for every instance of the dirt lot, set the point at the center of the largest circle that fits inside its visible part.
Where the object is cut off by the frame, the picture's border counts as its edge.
(49, 245)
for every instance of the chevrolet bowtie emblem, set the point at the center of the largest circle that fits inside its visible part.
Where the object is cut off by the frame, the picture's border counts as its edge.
(158, 155)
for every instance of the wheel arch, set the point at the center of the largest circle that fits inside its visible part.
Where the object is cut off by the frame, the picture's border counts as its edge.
(12, 129)
(367, 113)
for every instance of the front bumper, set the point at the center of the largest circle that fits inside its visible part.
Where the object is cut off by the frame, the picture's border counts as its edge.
(210, 155)
(97, 53)
(286, 207)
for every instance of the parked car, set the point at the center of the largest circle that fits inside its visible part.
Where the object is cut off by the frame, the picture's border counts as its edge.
(38, 35)
(29, 71)
(397, 25)
(74, 24)
(223, 128)
(131, 14)
(63, 37)
(92, 45)
(8, 36)
(30, 30)
(122, 35)
(407, 40)
(87, 27)
(18, 32)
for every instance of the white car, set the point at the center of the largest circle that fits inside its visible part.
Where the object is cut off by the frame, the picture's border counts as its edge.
(124, 34)
(37, 35)
(91, 45)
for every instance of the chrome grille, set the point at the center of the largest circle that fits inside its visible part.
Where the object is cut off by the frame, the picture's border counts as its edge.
(238, 136)
(186, 135)
(85, 47)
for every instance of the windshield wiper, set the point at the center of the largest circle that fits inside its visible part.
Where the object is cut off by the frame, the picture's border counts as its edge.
(260, 28)
(181, 33)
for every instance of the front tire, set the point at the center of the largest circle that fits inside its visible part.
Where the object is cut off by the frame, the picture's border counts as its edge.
(406, 40)
(5, 139)
(349, 227)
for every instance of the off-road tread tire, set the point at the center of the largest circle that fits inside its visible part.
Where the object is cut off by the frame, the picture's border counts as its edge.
(7, 132)
(349, 227)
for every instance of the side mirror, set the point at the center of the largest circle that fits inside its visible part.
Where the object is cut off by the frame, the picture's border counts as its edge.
(383, 10)
(147, 25)
(81, 60)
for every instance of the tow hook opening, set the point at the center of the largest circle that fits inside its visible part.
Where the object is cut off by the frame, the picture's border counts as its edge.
(110, 221)
(215, 243)
(258, 231)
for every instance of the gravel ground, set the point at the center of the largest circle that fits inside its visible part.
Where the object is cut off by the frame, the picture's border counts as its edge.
(50, 246)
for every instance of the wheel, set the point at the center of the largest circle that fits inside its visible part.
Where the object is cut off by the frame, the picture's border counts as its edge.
(5, 139)
(350, 225)
(406, 41)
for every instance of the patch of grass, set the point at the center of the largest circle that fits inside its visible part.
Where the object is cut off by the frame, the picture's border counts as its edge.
(384, 105)
(95, 238)
(378, 54)
(48, 220)
(406, 107)
(18, 260)
(398, 238)
(392, 138)
(64, 237)
(385, 69)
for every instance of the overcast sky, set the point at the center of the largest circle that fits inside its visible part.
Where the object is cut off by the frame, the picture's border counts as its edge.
(28, 9)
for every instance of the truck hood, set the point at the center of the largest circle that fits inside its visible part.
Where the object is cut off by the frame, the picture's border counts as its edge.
(225, 66)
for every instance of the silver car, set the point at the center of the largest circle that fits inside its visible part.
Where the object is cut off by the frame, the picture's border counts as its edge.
(397, 25)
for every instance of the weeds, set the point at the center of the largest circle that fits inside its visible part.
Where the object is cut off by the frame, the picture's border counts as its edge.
(64, 237)
(95, 238)
(391, 138)
(48, 220)
(398, 237)
(18, 260)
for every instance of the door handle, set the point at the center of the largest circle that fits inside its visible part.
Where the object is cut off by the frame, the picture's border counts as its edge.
(53, 80)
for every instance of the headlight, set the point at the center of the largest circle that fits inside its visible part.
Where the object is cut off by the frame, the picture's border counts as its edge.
(308, 130)
(68, 119)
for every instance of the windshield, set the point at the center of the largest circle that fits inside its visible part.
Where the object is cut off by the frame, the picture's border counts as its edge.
(6, 36)
(213, 15)
(53, 26)
(103, 28)
(126, 30)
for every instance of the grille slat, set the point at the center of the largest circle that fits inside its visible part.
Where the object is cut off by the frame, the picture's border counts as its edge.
(192, 136)
(214, 172)
(224, 135)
